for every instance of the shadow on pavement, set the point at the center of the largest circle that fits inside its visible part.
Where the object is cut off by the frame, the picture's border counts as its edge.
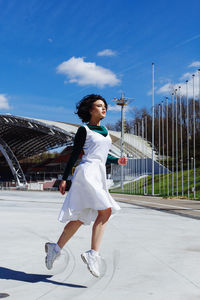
(9, 274)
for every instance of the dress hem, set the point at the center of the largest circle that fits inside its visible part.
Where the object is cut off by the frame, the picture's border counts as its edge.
(87, 216)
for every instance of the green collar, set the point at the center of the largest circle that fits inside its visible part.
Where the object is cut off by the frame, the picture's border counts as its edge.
(100, 129)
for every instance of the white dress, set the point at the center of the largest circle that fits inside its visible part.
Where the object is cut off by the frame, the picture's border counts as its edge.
(88, 192)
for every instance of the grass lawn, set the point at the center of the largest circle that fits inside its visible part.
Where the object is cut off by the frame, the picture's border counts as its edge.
(137, 187)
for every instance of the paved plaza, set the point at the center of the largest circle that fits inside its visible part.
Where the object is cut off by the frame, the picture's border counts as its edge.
(147, 253)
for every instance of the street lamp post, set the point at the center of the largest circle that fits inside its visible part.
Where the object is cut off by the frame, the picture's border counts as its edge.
(122, 101)
(159, 144)
(181, 134)
(199, 93)
(139, 167)
(167, 129)
(194, 137)
(188, 149)
(146, 158)
(152, 128)
(163, 150)
(176, 97)
(172, 144)
(136, 164)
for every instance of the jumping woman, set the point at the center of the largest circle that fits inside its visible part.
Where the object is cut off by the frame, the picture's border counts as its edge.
(88, 199)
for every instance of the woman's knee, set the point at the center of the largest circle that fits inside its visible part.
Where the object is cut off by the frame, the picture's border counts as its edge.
(105, 214)
(76, 223)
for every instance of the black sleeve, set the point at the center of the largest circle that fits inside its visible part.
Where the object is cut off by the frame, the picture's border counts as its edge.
(79, 141)
(112, 160)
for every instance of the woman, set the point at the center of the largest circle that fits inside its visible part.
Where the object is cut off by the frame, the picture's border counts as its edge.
(88, 199)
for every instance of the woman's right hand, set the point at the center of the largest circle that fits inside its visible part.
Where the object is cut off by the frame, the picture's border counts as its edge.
(123, 160)
(62, 187)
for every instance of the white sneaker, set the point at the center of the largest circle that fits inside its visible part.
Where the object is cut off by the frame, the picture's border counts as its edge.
(92, 262)
(51, 255)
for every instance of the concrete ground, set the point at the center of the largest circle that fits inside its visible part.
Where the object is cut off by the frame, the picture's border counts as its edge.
(182, 207)
(148, 254)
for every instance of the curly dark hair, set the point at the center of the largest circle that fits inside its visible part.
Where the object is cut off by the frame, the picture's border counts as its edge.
(85, 104)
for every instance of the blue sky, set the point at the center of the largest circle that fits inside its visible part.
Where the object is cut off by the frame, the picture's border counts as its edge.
(55, 52)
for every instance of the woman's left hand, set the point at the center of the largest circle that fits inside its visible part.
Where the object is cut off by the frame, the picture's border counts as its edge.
(122, 161)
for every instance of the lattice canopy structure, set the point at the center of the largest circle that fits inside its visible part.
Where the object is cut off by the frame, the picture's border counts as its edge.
(23, 137)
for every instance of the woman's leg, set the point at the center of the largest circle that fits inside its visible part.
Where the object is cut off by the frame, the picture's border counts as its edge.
(53, 250)
(91, 257)
(99, 228)
(69, 230)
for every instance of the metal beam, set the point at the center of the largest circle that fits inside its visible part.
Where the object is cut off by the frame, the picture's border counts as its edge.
(13, 163)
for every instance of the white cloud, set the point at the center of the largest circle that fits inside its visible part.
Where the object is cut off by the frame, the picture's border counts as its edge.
(149, 93)
(194, 64)
(4, 102)
(117, 108)
(50, 40)
(166, 88)
(25, 61)
(169, 87)
(107, 52)
(114, 107)
(87, 73)
(186, 76)
(188, 40)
